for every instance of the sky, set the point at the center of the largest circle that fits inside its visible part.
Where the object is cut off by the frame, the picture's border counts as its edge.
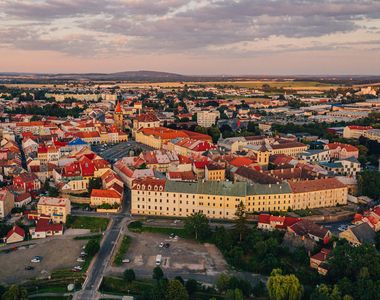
(193, 37)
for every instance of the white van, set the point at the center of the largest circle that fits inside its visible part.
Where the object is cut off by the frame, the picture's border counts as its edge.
(158, 259)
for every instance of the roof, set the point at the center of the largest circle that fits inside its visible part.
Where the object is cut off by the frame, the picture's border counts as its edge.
(149, 117)
(105, 193)
(306, 227)
(241, 161)
(16, 229)
(316, 185)
(347, 147)
(77, 142)
(118, 107)
(53, 201)
(321, 255)
(357, 127)
(364, 233)
(44, 225)
(255, 176)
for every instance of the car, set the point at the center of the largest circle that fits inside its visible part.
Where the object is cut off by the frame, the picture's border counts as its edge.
(29, 268)
(176, 221)
(126, 260)
(172, 235)
(83, 253)
(80, 259)
(77, 268)
(166, 245)
(343, 227)
(161, 245)
(36, 259)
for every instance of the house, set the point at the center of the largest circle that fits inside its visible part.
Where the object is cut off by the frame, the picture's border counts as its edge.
(45, 228)
(359, 234)
(270, 222)
(56, 208)
(355, 131)
(23, 199)
(310, 230)
(27, 182)
(318, 261)
(16, 234)
(6, 202)
(342, 151)
(100, 197)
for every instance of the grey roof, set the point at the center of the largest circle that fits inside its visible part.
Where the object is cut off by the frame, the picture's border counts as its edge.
(226, 188)
(364, 233)
(313, 151)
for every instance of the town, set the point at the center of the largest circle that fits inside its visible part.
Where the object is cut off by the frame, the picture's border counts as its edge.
(189, 190)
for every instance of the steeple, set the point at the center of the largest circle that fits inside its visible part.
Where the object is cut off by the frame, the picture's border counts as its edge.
(118, 108)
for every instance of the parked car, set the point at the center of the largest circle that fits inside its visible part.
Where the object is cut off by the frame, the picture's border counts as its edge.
(36, 259)
(161, 245)
(80, 259)
(166, 245)
(126, 260)
(77, 268)
(83, 253)
(29, 268)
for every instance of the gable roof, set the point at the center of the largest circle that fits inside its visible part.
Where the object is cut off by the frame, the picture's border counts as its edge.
(364, 233)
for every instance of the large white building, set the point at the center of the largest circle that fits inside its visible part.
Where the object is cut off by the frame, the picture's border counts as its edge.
(207, 118)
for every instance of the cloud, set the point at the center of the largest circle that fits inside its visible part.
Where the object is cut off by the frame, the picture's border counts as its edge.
(195, 27)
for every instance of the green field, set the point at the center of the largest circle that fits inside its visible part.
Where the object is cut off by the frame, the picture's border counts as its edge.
(94, 224)
(122, 250)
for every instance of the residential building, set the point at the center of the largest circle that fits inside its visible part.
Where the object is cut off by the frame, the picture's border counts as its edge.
(100, 197)
(15, 235)
(359, 234)
(207, 118)
(215, 172)
(355, 131)
(6, 202)
(56, 208)
(342, 151)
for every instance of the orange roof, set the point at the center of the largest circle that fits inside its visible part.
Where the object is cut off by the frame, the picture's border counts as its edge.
(241, 161)
(105, 193)
(118, 107)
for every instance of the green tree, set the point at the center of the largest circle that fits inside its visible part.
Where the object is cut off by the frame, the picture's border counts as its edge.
(235, 294)
(129, 275)
(222, 282)
(176, 291)
(15, 292)
(94, 183)
(191, 286)
(369, 184)
(92, 247)
(197, 225)
(241, 221)
(283, 287)
(158, 273)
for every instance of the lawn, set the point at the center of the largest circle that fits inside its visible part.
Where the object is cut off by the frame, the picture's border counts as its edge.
(122, 250)
(94, 224)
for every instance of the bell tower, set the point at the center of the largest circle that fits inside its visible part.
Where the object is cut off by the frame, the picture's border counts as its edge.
(118, 117)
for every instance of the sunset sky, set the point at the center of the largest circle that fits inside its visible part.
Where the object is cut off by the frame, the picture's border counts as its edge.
(191, 36)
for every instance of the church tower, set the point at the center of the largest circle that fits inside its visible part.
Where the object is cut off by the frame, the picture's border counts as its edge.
(118, 117)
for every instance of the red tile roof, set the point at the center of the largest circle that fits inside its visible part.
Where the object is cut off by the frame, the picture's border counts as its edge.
(105, 193)
(16, 229)
(315, 185)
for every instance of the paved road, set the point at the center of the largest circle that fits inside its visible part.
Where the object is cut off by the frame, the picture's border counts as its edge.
(96, 270)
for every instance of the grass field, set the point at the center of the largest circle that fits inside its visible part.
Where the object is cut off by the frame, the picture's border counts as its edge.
(122, 250)
(94, 224)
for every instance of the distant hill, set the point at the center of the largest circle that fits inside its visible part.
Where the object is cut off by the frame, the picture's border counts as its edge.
(127, 76)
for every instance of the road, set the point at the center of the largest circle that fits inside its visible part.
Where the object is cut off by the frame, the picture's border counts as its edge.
(96, 270)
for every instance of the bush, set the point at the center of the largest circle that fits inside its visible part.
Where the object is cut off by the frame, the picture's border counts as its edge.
(129, 275)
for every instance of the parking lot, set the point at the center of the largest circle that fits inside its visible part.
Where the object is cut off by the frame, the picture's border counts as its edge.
(115, 152)
(56, 254)
(181, 255)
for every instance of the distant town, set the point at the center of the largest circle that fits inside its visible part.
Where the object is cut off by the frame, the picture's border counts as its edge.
(189, 189)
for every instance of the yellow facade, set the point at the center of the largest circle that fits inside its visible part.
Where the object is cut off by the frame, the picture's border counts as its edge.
(56, 208)
(181, 204)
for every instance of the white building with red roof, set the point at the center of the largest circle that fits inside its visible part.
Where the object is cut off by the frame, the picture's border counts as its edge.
(15, 235)
(355, 131)
(342, 151)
